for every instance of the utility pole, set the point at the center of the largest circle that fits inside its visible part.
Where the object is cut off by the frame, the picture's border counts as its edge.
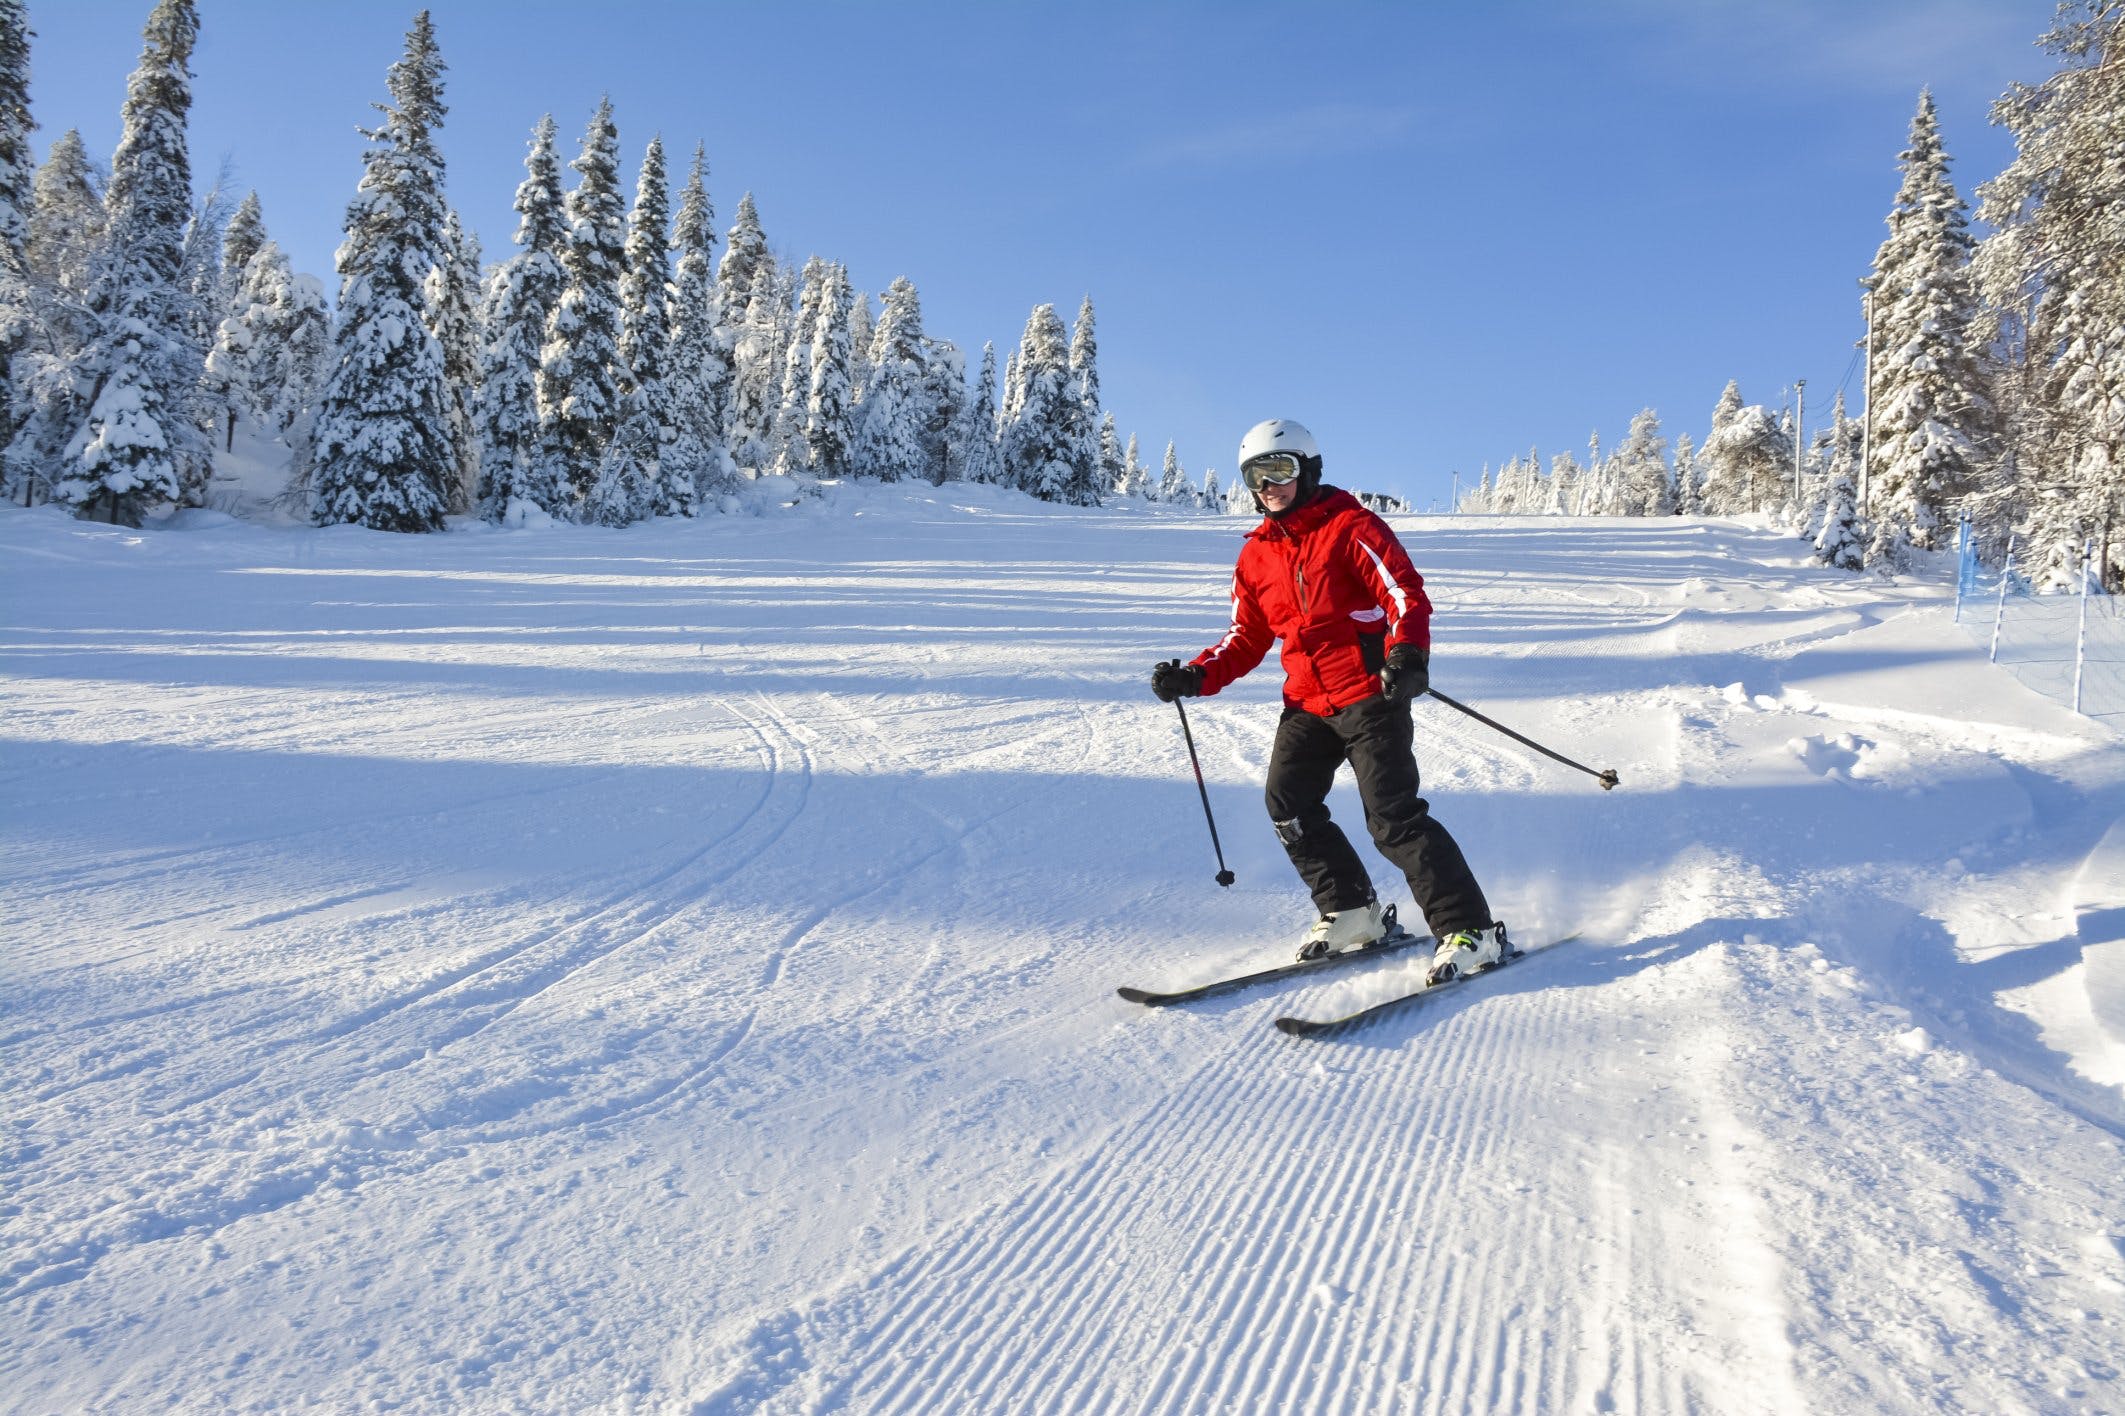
(1866, 384)
(1800, 433)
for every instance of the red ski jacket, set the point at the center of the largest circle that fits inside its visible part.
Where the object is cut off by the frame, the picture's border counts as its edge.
(1332, 582)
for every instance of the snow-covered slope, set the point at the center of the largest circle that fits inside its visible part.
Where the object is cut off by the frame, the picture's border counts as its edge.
(672, 970)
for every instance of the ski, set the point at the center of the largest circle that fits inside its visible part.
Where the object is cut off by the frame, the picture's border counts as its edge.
(1313, 1027)
(1395, 940)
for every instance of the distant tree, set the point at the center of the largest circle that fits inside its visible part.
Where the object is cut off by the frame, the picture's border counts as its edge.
(1112, 471)
(1689, 495)
(645, 334)
(890, 432)
(241, 240)
(1136, 478)
(1173, 486)
(699, 383)
(1744, 459)
(1841, 541)
(579, 373)
(133, 446)
(1644, 485)
(1569, 485)
(67, 216)
(515, 478)
(830, 412)
(1084, 364)
(451, 304)
(1212, 496)
(975, 456)
(744, 253)
(384, 453)
(862, 330)
(291, 345)
(18, 171)
(1044, 445)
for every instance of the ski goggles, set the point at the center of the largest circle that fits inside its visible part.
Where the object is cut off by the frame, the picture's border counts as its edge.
(1270, 469)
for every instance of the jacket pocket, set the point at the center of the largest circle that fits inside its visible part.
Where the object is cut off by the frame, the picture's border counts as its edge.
(1372, 649)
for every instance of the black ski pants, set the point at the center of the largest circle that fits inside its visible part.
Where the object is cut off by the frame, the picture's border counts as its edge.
(1375, 737)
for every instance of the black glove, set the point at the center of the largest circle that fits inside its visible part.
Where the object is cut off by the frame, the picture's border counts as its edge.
(1173, 679)
(1407, 675)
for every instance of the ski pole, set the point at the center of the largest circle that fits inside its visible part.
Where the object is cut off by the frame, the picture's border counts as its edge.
(1224, 876)
(1606, 776)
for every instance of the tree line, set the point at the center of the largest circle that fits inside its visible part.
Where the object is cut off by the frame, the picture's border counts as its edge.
(614, 367)
(1995, 367)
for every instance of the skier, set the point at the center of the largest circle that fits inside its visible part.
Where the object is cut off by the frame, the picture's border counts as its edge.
(1328, 578)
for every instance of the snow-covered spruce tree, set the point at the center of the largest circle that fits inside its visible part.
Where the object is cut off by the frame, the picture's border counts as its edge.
(974, 455)
(698, 385)
(1745, 458)
(1932, 415)
(792, 448)
(645, 330)
(1084, 363)
(50, 378)
(1212, 495)
(829, 408)
(132, 450)
(755, 383)
(579, 386)
(291, 343)
(744, 252)
(1646, 487)
(1836, 453)
(891, 428)
(2051, 273)
(516, 480)
(944, 390)
(384, 457)
(452, 306)
(1136, 478)
(67, 216)
(624, 487)
(1043, 443)
(1112, 470)
(1689, 496)
(1173, 485)
(1014, 393)
(863, 328)
(1568, 486)
(1841, 542)
(18, 169)
(240, 240)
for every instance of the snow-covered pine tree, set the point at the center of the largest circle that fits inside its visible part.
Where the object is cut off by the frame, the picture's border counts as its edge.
(1836, 453)
(698, 385)
(944, 391)
(515, 480)
(2050, 270)
(974, 454)
(1014, 393)
(624, 489)
(384, 458)
(1042, 444)
(1212, 496)
(1568, 486)
(1084, 363)
(830, 410)
(1112, 470)
(1689, 489)
(1173, 485)
(1644, 485)
(792, 445)
(890, 430)
(1932, 415)
(579, 376)
(18, 171)
(67, 216)
(451, 306)
(240, 240)
(291, 343)
(863, 328)
(1842, 540)
(228, 372)
(1135, 479)
(744, 252)
(1744, 459)
(755, 385)
(130, 453)
(645, 330)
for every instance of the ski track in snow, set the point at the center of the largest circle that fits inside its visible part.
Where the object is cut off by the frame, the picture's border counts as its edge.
(672, 971)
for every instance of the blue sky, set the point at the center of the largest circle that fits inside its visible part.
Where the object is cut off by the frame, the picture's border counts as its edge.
(1437, 233)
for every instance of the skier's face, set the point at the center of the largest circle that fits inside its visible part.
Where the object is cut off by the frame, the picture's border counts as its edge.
(1278, 496)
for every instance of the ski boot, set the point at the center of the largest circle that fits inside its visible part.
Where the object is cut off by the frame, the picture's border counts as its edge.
(1468, 951)
(1354, 928)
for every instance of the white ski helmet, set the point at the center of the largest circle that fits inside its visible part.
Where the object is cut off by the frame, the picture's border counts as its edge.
(1277, 435)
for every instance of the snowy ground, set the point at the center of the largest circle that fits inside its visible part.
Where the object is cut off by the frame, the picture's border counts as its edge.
(672, 970)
